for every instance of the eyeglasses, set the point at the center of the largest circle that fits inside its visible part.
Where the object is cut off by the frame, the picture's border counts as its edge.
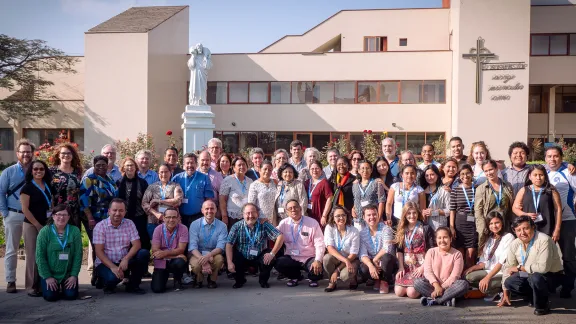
(37, 169)
(213, 147)
(25, 152)
(65, 153)
(293, 208)
(340, 216)
(169, 217)
(61, 215)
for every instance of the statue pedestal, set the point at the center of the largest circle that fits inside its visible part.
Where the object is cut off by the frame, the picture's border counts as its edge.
(198, 127)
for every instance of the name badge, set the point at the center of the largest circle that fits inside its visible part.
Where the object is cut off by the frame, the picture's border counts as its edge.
(48, 214)
(523, 274)
(280, 209)
(364, 203)
(470, 218)
(184, 200)
(539, 218)
(253, 252)
(63, 256)
(435, 213)
(205, 253)
(294, 252)
(309, 206)
(162, 209)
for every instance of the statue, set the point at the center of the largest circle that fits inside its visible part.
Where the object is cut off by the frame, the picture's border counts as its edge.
(199, 64)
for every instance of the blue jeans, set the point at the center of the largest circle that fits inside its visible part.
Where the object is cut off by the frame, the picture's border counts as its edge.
(137, 267)
(62, 292)
(151, 227)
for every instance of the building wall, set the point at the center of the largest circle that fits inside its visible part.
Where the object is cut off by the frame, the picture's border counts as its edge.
(116, 99)
(167, 76)
(353, 25)
(505, 26)
(564, 125)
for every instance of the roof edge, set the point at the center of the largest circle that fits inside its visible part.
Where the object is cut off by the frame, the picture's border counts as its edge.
(142, 32)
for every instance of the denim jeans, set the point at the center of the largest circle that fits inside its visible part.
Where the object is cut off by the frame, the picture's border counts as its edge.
(137, 267)
(62, 292)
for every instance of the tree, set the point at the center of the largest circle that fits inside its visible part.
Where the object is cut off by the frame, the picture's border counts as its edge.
(22, 62)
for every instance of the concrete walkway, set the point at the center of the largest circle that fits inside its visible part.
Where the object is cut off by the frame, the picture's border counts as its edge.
(255, 305)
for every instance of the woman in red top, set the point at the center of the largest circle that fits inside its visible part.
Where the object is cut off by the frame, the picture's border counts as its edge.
(319, 194)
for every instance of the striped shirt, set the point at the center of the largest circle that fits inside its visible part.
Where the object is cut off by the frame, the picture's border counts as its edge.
(458, 201)
(238, 237)
(368, 244)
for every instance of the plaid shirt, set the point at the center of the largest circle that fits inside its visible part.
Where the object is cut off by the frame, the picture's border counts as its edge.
(116, 240)
(238, 237)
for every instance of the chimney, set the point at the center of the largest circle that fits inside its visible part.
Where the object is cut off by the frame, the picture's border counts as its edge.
(446, 4)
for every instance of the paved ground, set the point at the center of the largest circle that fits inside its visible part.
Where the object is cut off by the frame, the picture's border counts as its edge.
(255, 305)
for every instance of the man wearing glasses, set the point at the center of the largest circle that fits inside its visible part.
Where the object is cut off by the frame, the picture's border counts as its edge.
(11, 182)
(215, 150)
(113, 171)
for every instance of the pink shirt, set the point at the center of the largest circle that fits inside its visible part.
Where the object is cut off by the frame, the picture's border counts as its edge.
(158, 238)
(116, 240)
(309, 243)
(443, 267)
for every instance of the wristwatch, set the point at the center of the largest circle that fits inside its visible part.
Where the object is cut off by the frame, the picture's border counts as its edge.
(519, 267)
(272, 254)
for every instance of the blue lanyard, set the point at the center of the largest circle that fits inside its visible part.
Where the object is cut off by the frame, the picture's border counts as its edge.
(294, 240)
(378, 234)
(241, 184)
(405, 196)
(469, 202)
(311, 189)
(189, 185)
(207, 237)
(163, 191)
(536, 201)
(256, 174)
(282, 194)
(499, 196)
(252, 239)
(340, 240)
(172, 237)
(434, 197)
(62, 244)
(363, 191)
(525, 256)
(48, 200)
(408, 243)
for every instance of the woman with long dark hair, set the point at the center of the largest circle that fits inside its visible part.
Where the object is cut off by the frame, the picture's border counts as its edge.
(539, 200)
(381, 170)
(341, 182)
(367, 191)
(449, 174)
(224, 165)
(462, 219)
(486, 275)
(437, 209)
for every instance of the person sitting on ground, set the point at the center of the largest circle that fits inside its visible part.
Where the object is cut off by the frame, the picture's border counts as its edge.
(207, 244)
(118, 253)
(486, 275)
(59, 256)
(533, 266)
(246, 247)
(168, 250)
(304, 246)
(443, 267)
(342, 241)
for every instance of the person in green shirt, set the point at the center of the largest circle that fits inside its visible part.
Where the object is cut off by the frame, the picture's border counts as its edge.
(59, 256)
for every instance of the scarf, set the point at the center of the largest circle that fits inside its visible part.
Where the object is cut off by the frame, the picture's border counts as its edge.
(340, 182)
(132, 200)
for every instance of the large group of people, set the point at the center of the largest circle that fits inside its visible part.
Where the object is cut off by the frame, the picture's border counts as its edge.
(468, 226)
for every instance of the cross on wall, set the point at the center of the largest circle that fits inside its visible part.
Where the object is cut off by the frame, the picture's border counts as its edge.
(479, 55)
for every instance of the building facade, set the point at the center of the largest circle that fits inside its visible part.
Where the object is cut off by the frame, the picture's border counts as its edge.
(409, 72)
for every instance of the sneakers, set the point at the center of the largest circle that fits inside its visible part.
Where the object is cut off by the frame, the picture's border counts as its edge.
(427, 301)
(451, 303)
(493, 298)
(11, 288)
(384, 287)
(186, 279)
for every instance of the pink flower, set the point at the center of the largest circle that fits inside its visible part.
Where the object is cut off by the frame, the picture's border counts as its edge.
(369, 132)
(364, 131)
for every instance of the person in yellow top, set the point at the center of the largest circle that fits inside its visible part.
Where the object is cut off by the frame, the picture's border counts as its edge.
(533, 266)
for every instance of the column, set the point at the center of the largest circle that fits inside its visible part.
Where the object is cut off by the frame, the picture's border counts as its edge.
(552, 114)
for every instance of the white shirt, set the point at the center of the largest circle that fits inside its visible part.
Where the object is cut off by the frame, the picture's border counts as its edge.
(566, 186)
(411, 195)
(500, 254)
(423, 166)
(350, 242)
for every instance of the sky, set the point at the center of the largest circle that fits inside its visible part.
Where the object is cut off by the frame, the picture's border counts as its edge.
(224, 26)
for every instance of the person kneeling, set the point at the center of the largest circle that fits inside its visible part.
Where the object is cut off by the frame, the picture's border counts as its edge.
(168, 247)
(304, 246)
(246, 247)
(59, 256)
(533, 266)
(443, 266)
(118, 254)
(207, 243)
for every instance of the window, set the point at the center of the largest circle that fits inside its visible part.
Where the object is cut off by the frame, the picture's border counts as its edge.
(238, 92)
(280, 92)
(6, 139)
(320, 140)
(267, 141)
(344, 92)
(41, 136)
(367, 92)
(217, 92)
(230, 142)
(283, 140)
(535, 99)
(403, 42)
(248, 139)
(566, 99)
(433, 92)
(375, 44)
(324, 92)
(415, 142)
(389, 92)
(258, 92)
(411, 91)
(553, 44)
(302, 92)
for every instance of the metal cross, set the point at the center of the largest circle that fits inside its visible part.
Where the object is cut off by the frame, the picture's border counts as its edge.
(479, 55)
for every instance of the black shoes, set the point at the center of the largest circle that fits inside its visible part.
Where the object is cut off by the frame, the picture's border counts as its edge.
(211, 284)
(135, 290)
(239, 284)
(264, 285)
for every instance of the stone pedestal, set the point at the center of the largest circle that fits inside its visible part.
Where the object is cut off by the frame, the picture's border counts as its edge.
(198, 127)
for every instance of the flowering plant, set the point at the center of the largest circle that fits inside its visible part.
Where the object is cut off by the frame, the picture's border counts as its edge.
(45, 152)
(130, 148)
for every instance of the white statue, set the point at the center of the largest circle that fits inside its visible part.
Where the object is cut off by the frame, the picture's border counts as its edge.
(199, 64)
